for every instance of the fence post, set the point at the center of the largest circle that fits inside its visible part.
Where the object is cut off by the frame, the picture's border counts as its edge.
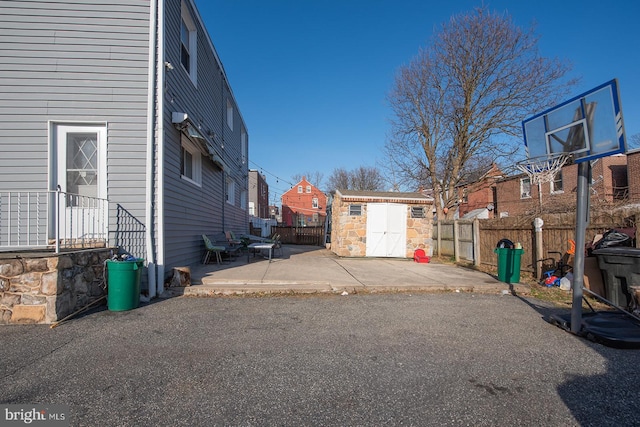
(537, 224)
(475, 236)
(456, 240)
(439, 238)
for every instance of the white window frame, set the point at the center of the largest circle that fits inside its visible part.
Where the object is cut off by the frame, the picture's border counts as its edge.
(229, 114)
(308, 189)
(192, 48)
(355, 210)
(231, 191)
(196, 161)
(418, 212)
(553, 183)
(243, 147)
(243, 200)
(299, 189)
(314, 203)
(525, 194)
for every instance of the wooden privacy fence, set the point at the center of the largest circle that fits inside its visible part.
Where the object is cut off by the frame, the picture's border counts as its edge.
(475, 240)
(300, 235)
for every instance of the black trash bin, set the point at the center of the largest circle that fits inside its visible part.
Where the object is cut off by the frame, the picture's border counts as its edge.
(621, 269)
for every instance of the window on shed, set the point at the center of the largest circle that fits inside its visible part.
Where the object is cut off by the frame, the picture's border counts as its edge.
(417, 212)
(188, 42)
(355, 210)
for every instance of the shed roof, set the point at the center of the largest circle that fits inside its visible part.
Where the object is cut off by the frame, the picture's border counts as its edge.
(384, 196)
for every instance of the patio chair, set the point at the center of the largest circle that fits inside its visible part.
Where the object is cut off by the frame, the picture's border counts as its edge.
(211, 248)
(277, 244)
(232, 239)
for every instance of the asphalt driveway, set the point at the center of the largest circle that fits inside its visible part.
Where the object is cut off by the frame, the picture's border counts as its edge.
(375, 359)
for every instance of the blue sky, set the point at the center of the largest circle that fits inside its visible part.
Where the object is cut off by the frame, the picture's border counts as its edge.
(311, 76)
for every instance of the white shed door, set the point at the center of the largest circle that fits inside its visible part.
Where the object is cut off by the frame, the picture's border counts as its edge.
(386, 230)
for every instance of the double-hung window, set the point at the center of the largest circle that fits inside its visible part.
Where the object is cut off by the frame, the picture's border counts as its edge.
(525, 188)
(231, 191)
(190, 161)
(556, 184)
(188, 43)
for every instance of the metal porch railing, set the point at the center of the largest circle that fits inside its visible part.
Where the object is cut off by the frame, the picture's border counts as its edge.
(52, 220)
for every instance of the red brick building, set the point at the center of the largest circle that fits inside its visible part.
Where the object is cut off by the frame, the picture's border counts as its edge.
(480, 194)
(633, 175)
(304, 205)
(516, 195)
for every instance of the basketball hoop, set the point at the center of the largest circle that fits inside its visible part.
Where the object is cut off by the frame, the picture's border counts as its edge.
(543, 169)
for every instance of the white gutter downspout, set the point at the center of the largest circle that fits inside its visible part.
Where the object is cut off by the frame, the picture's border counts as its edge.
(151, 97)
(160, 144)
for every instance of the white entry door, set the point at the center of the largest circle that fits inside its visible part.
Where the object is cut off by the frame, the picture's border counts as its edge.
(386, 230)
(79, 171)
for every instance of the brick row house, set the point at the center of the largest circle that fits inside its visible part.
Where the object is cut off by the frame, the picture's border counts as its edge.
(258, 195)
(615, 179)
(304, 205)
(517, 195)
(479, 198)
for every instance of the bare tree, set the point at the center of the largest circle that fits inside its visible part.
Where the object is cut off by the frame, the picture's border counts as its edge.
(634, 141)
(464, 96)
(367, 179)
(363, 178)
(340, 179)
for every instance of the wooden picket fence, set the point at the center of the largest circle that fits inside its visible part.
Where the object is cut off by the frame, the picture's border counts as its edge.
(475, 240)
(314, 236)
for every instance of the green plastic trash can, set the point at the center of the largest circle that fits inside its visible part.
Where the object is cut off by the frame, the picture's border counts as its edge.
(123, 284)
(509, 264)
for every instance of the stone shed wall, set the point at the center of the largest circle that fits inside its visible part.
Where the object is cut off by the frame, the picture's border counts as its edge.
(349, 233)
(44, 288)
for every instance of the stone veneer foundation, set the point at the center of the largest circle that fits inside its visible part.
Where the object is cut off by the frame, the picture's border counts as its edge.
(42, 287)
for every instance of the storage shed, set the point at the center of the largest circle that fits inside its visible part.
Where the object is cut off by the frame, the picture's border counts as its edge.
(380, 224)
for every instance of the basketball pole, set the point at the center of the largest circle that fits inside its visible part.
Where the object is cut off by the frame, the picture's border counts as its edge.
(582, 219)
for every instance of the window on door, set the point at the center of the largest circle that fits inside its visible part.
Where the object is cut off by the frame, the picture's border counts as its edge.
(82, 163)
(79, 165)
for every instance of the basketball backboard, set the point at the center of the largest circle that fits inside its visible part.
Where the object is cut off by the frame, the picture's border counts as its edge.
(588, 126)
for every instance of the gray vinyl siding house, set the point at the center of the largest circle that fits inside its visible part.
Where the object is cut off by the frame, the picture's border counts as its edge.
(142, 77)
